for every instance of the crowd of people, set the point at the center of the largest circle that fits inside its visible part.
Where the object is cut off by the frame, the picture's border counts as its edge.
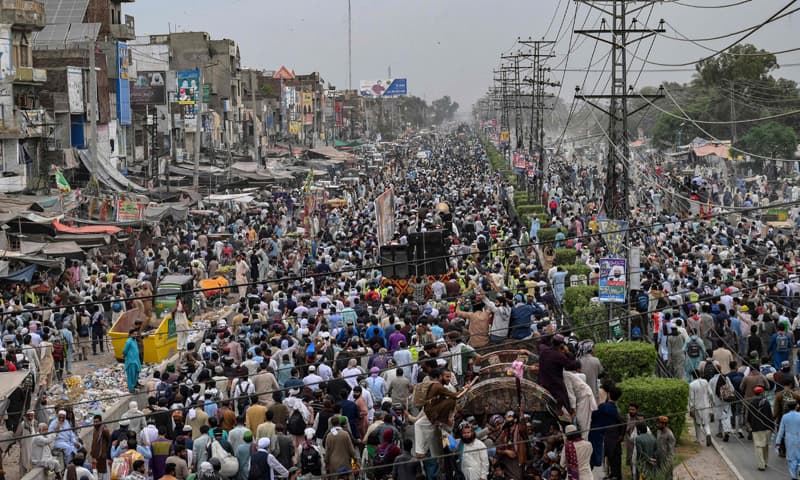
(325, 367)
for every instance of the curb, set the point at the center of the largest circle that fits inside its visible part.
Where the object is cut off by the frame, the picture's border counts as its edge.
(726, 459)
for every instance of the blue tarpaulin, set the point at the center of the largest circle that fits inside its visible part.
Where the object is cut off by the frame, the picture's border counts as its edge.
(22, 275)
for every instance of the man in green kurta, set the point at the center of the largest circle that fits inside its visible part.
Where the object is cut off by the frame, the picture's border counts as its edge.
(646, 447)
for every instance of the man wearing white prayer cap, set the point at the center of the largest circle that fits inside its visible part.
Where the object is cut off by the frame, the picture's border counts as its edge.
(264, 465)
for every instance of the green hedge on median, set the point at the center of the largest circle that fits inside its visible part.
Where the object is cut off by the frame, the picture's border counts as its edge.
(588, 323)
(577, 269)
(578, 296)
(565, 256)
(655, 397)
(625, 360)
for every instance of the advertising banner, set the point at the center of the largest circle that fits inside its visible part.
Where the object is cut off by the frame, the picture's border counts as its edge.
(75, 89)
(613, 233)
(338, 113)
(150, 88)
(295, 127)
(505, 136)
(393, 87)
(188, 87)
(123, 85)
(384, 216)
(612, 280)
(128, 211)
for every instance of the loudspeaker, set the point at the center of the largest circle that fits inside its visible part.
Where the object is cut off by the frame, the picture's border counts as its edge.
(427, 252)
(394, 261)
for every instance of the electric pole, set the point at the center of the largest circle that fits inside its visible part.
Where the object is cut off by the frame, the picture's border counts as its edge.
(515, 68)
(615, 201)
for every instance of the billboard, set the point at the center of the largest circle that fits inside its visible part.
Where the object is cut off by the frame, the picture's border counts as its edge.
(188, 86)
(150, 88)
(123, 84)
(128, 211)
(505, 136)
(613, 232)
(75, 89)
(384, 216)
(392, 87)
(612, 280)
(338, 113)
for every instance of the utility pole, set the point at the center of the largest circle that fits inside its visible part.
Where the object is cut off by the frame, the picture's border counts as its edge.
(733, 112)
(518, 124)
(92, 110)
(349, 47)
(256, 138)
(617, 187)
(198, 132)
(615, 202)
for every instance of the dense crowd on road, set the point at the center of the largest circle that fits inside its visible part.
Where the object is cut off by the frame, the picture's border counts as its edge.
(323, 367)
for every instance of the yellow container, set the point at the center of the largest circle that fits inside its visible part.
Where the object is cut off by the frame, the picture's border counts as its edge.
(119, 331)
(158, 345)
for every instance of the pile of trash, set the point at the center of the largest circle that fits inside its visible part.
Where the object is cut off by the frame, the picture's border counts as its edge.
(93, 393)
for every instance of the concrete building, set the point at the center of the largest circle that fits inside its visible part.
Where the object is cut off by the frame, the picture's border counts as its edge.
(63, 48)
(23, 122)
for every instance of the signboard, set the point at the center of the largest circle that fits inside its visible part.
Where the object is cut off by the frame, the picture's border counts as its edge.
(505, 136)
(295, 127)
(613, 233)
(123, 85)
(150, 88)
(612, 280)
(338, 113)
(206, 93)
(188, 86)
(393, 87)
(128, 211)
(384, 216)
(75, 89)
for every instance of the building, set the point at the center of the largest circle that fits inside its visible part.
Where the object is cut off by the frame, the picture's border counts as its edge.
(73, 30)
(23, 123)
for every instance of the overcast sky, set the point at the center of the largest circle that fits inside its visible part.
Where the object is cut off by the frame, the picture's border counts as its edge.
(449, 47)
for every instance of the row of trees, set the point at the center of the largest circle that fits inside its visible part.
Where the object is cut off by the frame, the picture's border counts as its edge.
(738, 85)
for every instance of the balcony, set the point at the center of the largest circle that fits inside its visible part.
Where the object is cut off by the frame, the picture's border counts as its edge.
(28, 75)
(124, 31)
(24, 124)
(27, 14)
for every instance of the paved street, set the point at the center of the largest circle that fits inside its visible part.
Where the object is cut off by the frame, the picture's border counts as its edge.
(740, 453)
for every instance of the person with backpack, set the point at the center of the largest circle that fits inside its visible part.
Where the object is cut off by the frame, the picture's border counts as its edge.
(695, 351)
(84, 334)
(385, 455)
(310, 456)
(758, 415)
(780, 346)
(59, 352)
(722, 394)
(241, 392)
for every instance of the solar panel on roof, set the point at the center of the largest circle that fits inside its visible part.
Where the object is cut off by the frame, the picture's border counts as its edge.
(65, 11)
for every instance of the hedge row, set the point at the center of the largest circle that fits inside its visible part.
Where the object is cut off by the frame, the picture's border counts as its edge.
(565, 256)
(588, 324)
(625, 360)
(579, 296)
(655, 397)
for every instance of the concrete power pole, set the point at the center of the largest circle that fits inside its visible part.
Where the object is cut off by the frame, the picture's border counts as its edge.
(256, 138)
(349, 47)
(92, 110)
(198, 133)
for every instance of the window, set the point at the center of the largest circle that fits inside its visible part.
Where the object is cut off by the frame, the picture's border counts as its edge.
(21, 50)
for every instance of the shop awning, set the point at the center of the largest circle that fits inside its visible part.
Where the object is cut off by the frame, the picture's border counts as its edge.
(107, 229)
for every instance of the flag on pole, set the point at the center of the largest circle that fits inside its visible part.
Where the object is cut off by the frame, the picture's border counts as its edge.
(61, 182)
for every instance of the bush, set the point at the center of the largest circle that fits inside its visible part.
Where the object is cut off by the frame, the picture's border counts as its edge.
(587, 323)
(657, 396)
(547, 234)
(578, 297)
(625, 360)
(577, 269)
(565, 256)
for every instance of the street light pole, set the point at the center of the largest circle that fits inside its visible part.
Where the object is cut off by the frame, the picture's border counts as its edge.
(349, 47)
(198, 133)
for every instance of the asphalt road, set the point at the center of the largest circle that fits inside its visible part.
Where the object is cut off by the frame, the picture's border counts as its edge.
(740, 454)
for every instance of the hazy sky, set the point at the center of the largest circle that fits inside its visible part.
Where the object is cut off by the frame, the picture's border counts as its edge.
(449, 47)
